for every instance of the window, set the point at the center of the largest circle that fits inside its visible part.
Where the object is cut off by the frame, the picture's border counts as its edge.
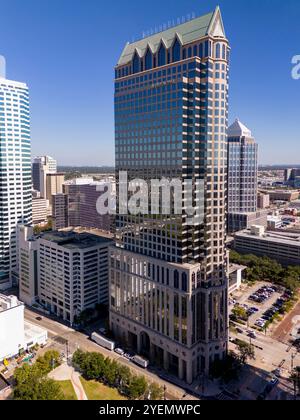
(161, 56)
(136, 64)
(184, 282)
(218, 51)
(148, 60)
(176, 279)
(176, 51)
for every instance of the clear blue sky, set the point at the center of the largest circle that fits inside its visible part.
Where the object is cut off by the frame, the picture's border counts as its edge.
(66, 51)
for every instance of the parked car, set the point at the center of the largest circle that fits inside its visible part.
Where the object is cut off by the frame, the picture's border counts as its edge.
(120, 351)
(129, 355)
(274, 381)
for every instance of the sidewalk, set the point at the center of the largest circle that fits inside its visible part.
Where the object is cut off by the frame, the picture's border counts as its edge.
(67, 373)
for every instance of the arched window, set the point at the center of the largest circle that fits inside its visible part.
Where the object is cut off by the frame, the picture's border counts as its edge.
(176, 279)
(136, 64)
(161, 56)
(224, 52)
(184, 54)
(218, 51)
(184, 282)
(148, 60)
(176, 51)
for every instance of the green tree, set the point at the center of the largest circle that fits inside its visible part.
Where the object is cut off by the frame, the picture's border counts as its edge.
(32, 384)
(49, 361)
(137, 387)
(155, 392)
(246, 351)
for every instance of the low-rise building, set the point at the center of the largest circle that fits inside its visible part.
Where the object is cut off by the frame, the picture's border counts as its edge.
(235, 277)
(263, 201)
(66, 272)
(274, 222)
(283, 247)
(241, 221)
(283, 195)
(39, 210)
(16, 334)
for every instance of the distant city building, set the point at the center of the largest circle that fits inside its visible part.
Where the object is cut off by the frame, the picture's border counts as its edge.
(242, 179)
(292, 177)
(274, 222)
(263, 201)
(241, 221)
(168, 284)
(54, 185)
(16, 335)
(283, 247)
(39, 210)
(82, 204)
(41, 167)
(60, 215)
(15, 173)
(282, 195)
(65, 272)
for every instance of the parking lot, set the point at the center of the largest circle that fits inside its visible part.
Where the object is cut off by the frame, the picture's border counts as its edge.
(261, 302)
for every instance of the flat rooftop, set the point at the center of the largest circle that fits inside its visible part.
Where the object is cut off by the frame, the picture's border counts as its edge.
(8, 302)
(284, 238)
(74, 240)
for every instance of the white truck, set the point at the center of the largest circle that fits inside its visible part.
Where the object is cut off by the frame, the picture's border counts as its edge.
(140, 361)
(102, 341)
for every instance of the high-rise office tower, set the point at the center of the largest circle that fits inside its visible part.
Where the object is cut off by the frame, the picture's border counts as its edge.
(168, 278)
(41, 167)
(242, 179)
(15, 172)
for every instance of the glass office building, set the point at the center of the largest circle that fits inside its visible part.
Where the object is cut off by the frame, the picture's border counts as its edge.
(242, 179)
(15, 173)
(168, 277)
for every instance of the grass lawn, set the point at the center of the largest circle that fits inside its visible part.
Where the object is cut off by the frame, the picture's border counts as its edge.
(96, 391)
(68, 390)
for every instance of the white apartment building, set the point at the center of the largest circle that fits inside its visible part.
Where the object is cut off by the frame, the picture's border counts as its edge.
(15, 333)
(66, 272)
(15, 172)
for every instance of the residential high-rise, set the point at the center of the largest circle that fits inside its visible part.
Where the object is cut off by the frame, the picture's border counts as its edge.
(168, 278)
(41, 167)
(15, 172)
(242, 179)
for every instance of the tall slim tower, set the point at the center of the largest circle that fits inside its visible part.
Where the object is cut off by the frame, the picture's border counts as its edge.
(242, 179)
(168, 278)
(15, 172)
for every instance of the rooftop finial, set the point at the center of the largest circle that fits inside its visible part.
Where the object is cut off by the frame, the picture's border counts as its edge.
(2, 67)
